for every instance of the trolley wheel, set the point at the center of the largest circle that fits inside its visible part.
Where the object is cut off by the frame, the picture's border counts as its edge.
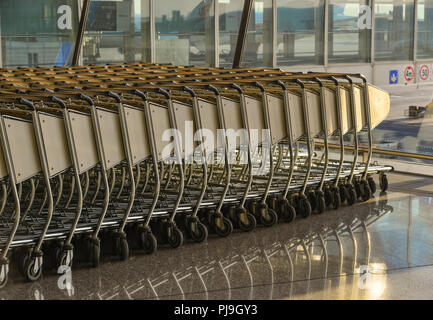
(33, 271)
(328, 196)
(336, 198)
(287, 211)
(4, 266)
(174, 236)
(383, 181)
(122, 247)
(268, 217)
(303, 207)
(247, 222)
(62, 258)
(311, 195)
(95, 252)
(343, 193)
(351, 194)
(372, 185)
(365, 190)
(223, 226)
(272, 202)
(198, 232)
(321, 202)
(147, 241)
(358, 190)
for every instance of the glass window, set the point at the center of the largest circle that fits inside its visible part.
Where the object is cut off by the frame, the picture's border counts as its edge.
(347, 42)
(117, 31)
(425, 29)
(37, 32)
(300, 32)
(185, 32)
(229, 22)
(258, 47)
(394, 21)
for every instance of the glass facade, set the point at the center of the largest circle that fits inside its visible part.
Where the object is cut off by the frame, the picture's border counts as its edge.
(348, 41)
(37, 32)
(204, 32)
(394, 26)
(117, 32)
(300, 29)
(425, 29)
(185, 32)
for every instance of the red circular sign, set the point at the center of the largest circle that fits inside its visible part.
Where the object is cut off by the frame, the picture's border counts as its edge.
(424, 72)
(409, 73)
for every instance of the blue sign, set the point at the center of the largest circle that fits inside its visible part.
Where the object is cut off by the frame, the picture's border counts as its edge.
(393, 76)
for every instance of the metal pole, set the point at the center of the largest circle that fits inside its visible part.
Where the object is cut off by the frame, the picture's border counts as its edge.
(80, 33)
(243, 30)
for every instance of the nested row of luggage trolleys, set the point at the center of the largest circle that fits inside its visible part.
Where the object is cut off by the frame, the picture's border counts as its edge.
(172, 151)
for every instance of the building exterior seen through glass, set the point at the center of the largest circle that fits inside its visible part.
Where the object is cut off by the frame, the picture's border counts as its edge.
(37, 32)
(347, 40)
(300, 27)
(42, 32)
(394, 25)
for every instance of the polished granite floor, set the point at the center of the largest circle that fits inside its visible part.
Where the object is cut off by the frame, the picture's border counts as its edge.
(382, 249)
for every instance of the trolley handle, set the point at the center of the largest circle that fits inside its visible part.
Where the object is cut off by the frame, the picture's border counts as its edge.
(165, 93)
(86, 98)
(27, 103)
(59, 101)
(281, 84)
(237, 88)
(300, 83)
(213, 89)
(189, 90)
(260, 86)
(113, 95)
(139, 93)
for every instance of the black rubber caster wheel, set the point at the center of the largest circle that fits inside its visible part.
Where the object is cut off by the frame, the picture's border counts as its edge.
(174, 237)
(65, 257)
(328, 196)
(358, 191)
(95, 252)
(272, 202)
(121, 247)
(350, 194)
(343, 193)
(147, 241)
(268, 217)
(336, 198)
(311, 195)
(321, 202)
(246, 221)
(372, 185)
(287, 211)
(303, 207)
(198, 231)
(365, 190)
(4, 273)
(32, 267)
(383, 181)
(223, 226)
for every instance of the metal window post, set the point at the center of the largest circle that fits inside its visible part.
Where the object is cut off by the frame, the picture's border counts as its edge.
(274, 33)
(415, 30)
(242, 35)
(216, 30)
(80, 33)
(373, 36)
(326, 35)
(152, 30)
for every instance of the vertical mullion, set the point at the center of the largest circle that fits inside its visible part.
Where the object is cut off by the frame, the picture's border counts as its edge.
(216, 32)
(152, 30)
(274, 33)
(373, 33)
(325, 36)
(415, 30)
